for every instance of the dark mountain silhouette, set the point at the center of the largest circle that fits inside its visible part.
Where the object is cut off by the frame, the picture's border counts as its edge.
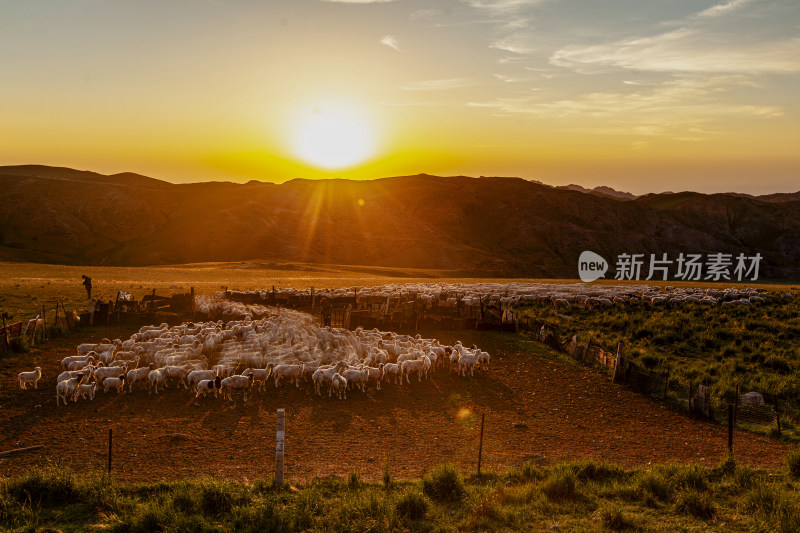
(491, 226)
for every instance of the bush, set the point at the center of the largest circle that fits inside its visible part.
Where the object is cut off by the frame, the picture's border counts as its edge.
(560, 486)
(697, 504)
(412, 506)
(444, 484)
(612, 518)
(354, 480)
(48, 486)
(656, 485)
(217, 497)
(793, 460)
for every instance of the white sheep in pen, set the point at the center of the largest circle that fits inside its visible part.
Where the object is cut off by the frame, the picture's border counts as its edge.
(392, 370)
(86, 388)
(339, 385)
(65, 390)
(114, 383)
(104, 372)
(260, 375)
(324, 375)
(65, 363)
(154, 379)
(235, 383)
(27, 377)
(416, 366)
(138, 375)
(204, 386)
(357, 378)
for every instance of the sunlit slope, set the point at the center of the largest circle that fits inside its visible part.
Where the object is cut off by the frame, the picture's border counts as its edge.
(504, 226)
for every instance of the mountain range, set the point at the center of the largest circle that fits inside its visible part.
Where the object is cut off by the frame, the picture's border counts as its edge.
(481, 226)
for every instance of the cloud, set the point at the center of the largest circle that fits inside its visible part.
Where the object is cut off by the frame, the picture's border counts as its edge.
(723, 9)
(358, 1)
(392, 42)
(503, 6)
(683, 50)
(437, 85)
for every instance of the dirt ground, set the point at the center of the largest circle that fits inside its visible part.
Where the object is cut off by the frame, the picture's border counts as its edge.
(567, 412)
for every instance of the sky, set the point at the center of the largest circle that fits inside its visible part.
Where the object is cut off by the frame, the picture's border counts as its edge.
(640, 95)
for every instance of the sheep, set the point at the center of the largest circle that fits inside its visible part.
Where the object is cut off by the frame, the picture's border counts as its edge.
(375, 375)
(79, 364)
(130, 364)
(100, 374)
(483, 360)
(260, 375)
(73, 358)
(357, 378)
(175, 372)
(407, 367)
(154, 379)
(338, 384)
(467, 362)
(196, 376)
(324, 375)
(232, 383)
(27, 377)
(294, 373)
(138, 375)
(84, 389)
(204, 386)
(69, 374)
(392, 369)
(66, 389)
(117, 383)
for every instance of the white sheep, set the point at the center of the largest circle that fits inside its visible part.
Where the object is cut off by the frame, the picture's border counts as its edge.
(154, 379)
(260, 375)
(137, 375)
(356, 378)
(86, 388)
(338, 384)
(392, 370)
(65, 390)
(416, 366)
(232, 383)
(104, 372)
(117, 383)
(294, 373)
(27, 377)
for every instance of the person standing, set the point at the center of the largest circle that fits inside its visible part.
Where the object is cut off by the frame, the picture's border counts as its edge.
(87, 283)
(327, 309)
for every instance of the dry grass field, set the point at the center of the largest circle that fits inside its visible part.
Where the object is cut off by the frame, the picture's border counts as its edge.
(26, 287)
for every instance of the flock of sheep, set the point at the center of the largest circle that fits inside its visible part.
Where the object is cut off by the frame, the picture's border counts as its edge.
(279, 346)
(509, 294)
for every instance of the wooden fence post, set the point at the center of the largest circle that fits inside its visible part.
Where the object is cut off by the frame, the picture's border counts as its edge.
(280, 427)
(480, 446)
(55, 320)
(618, 362)
(730, 430)
(110, 435)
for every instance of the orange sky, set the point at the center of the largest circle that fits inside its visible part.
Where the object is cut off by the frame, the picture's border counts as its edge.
(643, 96)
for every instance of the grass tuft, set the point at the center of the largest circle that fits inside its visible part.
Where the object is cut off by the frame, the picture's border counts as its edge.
(444, 484)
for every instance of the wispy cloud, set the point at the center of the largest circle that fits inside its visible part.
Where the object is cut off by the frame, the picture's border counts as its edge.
(437, 85)
(359, 1)
(683, 50)
(392, 42)
(723, 9)
(503, 6)
(681, 109)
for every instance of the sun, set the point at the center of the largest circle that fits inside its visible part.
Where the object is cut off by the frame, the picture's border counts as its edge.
(333, 136)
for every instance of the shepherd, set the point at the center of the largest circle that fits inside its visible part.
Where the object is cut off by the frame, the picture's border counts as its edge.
(87, 282)
(326, 311)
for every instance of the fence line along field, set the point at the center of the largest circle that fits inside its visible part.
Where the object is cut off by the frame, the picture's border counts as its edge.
(535, 409)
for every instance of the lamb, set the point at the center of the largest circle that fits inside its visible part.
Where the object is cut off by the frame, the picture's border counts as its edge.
(232, 383)
(114, 383)
(260, 375)
(338, 384)
(27, 377)
(467, 362)
(69, 374)
(483, 360)
(66, 390)
(175, 372)
(84, 389)
(137, 375)
(154, 379)
(204, 386)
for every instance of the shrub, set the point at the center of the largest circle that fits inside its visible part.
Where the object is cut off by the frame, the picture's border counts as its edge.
(444, 484)
(612, 518)
(560, 486)
(697, 504)
(412, 506)
(48, 486)
(354, 480)
(655, 485)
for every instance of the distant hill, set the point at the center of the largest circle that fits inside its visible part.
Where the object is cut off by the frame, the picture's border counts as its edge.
(602, 190)
(490, 226)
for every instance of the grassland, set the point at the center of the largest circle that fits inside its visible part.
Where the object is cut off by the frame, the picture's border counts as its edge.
(575, 496)
(750, 348)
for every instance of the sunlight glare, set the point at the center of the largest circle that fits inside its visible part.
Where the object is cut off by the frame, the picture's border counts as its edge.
(333, 137)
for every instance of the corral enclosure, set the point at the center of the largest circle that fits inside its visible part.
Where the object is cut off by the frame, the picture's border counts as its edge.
(536, 409)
